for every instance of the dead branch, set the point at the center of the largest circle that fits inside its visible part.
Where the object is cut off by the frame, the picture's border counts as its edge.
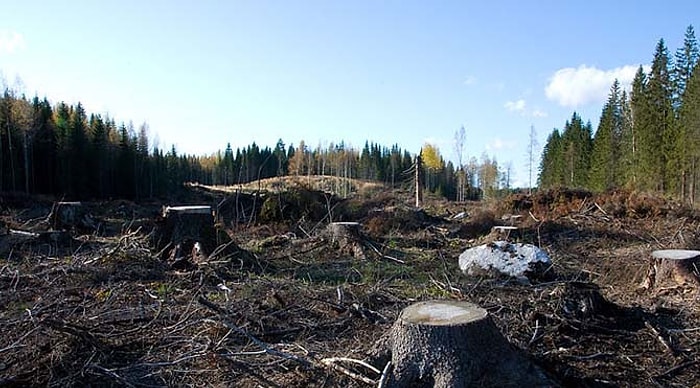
(273, 352)
(677, 368)
(332, 362)
(385, 374)
(369, 244)
(660, 337)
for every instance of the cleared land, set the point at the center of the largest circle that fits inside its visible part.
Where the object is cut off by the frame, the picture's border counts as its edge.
(291, 304)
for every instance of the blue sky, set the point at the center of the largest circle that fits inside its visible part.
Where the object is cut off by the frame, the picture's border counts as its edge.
(204, 73)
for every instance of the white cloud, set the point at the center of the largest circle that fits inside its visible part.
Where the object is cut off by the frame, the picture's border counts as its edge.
(515, 106)
(498, 144)
(583, 85)
(520, 106)
(539, 113)
(470, 80)
(10, 41)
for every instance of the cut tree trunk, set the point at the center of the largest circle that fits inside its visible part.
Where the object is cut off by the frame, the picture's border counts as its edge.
(673, 267)
(186, 230)
(455, 344)
(343, 231)
(347, 236)
(69, 215)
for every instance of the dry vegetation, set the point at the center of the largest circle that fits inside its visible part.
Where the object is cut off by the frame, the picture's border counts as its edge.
(284, 308)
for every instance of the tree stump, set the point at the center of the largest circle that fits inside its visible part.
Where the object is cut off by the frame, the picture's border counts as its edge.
(343, 231)
(455, 344)
(673, 267)
(502, 232)
(348, 237)
(188, 230)
(68, 215)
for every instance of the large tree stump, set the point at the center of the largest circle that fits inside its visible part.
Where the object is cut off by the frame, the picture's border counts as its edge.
(69, 215)
(185, 231)
(673, 267)
(347, 236)
(343, 231)
(455, 344)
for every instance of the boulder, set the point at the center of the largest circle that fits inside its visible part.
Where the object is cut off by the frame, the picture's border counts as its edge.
(501, 258)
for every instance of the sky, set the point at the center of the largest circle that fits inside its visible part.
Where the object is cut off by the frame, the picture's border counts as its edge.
(202, 74)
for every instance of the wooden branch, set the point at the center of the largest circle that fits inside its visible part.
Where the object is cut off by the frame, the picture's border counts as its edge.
(331, 362)
(660, 337)
(369, 244)
(678, 367)
(273, 352)
(385, 374)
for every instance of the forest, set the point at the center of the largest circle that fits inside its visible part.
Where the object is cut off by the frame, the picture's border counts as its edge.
(60, 150)
(648, 139)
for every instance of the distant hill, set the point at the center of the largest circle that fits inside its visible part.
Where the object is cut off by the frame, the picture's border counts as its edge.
(340, 186)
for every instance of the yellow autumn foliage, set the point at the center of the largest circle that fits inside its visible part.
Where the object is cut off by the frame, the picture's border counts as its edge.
(431, 157)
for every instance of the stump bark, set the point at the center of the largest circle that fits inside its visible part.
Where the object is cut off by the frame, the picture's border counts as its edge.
(673, 267)
(455, 344)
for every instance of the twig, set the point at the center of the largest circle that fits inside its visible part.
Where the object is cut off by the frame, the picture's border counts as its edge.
(16, 343)
(369, 244)
(590, 356)
(660, 337)
(600, 208)
(329, 360)
(108, 372)
(385, 375)
(332, 363)
(533, 216)
(534, 335)
(683, 330)
(259, 343)
(678, 367)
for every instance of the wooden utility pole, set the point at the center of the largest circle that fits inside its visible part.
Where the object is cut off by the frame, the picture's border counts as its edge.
(419, 186)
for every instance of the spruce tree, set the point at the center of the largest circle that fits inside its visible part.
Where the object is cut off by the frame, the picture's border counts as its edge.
(689, 120)
(657, 135)
(576, 151)
(627, 152)
(638, 128)
(604, 158)
(551, 165)
(686, 58)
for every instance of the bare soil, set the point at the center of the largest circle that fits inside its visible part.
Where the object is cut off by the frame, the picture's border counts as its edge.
(291, 307)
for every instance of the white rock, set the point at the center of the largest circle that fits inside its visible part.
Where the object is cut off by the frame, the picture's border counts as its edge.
(513, 260)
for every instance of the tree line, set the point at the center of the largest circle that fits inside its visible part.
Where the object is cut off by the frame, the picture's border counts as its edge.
(647, 139)
(63, 151)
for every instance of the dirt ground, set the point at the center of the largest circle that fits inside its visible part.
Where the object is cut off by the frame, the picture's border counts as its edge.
(289, 304)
